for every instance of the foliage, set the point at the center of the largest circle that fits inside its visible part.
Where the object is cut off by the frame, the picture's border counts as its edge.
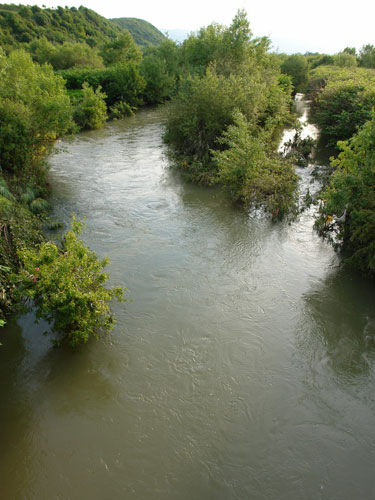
(223, 125)
(160, 67)
(67, 287)
(90, 111)
(159, 85)
(367, 56)
(345, 60)
(343, 101)
(121, 109)
(20, 25)
(120, 83)
(18, 228)
(123, 83)
(204, 107)
(122, 50)
(297, 68)
(319, 60)
(350, 197)
(228, 47)
(34, 111)
(299, 149)
(144, 33)
(67, 55)
(250, 173)
(202, 49)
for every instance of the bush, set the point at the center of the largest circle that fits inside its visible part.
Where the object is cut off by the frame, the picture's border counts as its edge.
(67, 287)
(205, 106)
(343, 103)
(297, 68)
(159, 84)
(367, 56)
(67, 55)
(34, 111)
(120, 110)
(252, 176)
(120, 83)
(347, 215)
(90, 111)
(18, 228)
(345, 60)
(121, 51)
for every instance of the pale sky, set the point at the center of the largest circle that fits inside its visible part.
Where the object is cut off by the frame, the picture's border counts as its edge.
(294, 26)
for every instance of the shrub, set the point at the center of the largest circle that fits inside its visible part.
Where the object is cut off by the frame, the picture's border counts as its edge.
(159, 84)
(250, 174)
(347, 215)
(67, 287)
(205, 106)
(343, 103)
(34, 111)
(345, 60)
(120, 110)
(122, 50)
(122, 82)
(90, 111)
(297, 68)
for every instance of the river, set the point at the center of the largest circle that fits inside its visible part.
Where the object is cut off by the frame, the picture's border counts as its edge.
(242, 366)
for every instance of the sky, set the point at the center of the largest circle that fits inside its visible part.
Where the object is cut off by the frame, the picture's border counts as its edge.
(317, 26)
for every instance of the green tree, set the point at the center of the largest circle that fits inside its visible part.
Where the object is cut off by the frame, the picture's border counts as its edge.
(121, 51)
(160, 67)
(35, 110)
(201, 49)
(350, 50)
(205, 106)
(91, 111)
(159, 84)
(344, 103)
(347, 215)
(297, 68)
(67, 287)
(367, 56)
(251, 173)
(345, 60)
(120, 83)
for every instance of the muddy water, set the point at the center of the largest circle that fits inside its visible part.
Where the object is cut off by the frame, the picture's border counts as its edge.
(243, 368)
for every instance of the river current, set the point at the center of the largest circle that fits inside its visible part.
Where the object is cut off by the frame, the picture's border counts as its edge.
(242, 366)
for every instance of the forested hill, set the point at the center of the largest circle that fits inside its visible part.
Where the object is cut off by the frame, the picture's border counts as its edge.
(21, 25)
(144, 33)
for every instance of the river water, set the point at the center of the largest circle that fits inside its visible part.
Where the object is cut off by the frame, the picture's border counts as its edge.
(241, 368)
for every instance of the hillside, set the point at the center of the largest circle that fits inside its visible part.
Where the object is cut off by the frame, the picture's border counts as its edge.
(22, 24)
(144, 33)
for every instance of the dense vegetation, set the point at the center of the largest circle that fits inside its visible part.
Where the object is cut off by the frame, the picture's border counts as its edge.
(342, 100)
(21, 25)
(347, 215)
(144, 33)
(296, 66)
(34, 110)
(233, 102)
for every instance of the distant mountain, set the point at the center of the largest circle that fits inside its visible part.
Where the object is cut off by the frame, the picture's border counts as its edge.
(177, 35)
(144, 33)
